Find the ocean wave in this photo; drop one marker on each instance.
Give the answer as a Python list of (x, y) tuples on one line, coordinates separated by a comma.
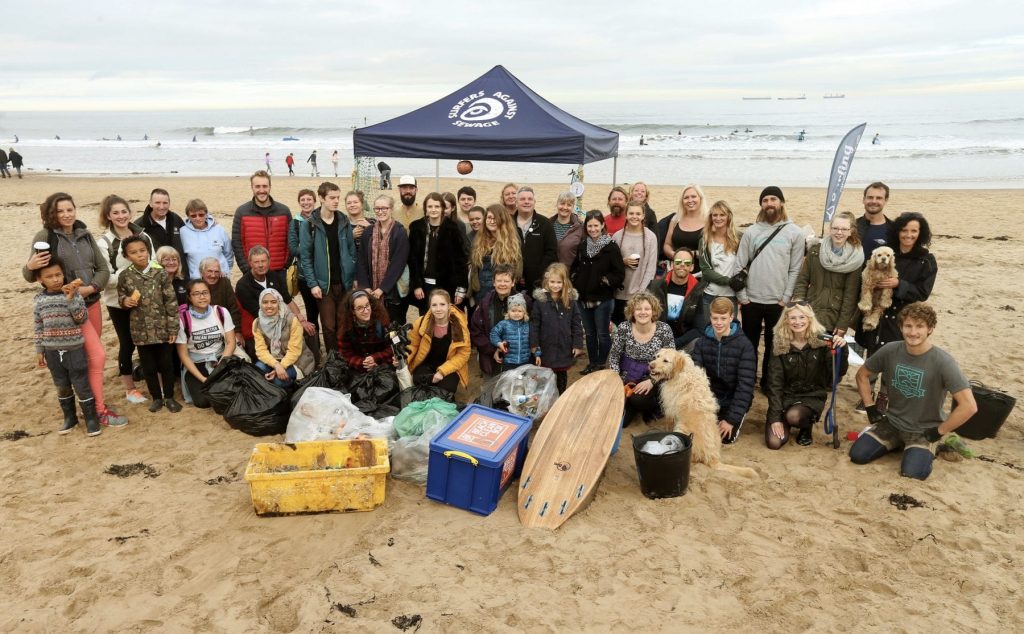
[(226, 130)]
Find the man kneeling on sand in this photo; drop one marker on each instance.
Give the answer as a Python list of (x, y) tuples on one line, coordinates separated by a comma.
[(916, 375)]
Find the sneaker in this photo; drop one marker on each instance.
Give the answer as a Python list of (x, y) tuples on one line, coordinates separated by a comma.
[(156, 405), (860, 408), (110, 418), (135, 397), (172, 405)]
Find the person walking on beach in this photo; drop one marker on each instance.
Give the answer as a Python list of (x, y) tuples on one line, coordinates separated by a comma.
[(290, 162), (16, 161), (334, 161), (266, 161), (3, 165), (779, 247), (313, 169), (261, 221), (385, 175)]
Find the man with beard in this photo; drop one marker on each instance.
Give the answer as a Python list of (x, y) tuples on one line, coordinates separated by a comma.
[(409, 209), (261, 221), (772, 250), (615, 219), (873, 226), (536, 239)]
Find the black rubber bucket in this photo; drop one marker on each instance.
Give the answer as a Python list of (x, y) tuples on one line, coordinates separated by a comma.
[(664, 476)]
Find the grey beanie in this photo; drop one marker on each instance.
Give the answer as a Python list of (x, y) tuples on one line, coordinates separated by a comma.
[(516, 301)]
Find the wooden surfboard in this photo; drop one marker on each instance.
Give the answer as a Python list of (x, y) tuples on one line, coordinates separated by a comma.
[(570, 450)]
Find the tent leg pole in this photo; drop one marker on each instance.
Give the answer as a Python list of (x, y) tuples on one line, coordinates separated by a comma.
[(615, 171), (437, 175)]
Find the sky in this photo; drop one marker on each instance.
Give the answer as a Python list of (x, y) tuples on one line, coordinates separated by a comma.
[(187, 54)]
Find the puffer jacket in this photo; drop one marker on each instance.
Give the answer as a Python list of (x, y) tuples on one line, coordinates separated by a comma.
[(155, 319), (110, 244), (597, 278), (458, 351), (314, 259), (517, 335), (555, 329), (833, 296), (486, 316), (801, 375), (80, 256), (266, 226), (731, 366)]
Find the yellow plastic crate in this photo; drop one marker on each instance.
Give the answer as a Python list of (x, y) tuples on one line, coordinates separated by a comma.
[(318, 476)]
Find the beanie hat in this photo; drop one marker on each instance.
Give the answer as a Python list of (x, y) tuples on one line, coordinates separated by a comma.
[(771, 190), (516, 301)]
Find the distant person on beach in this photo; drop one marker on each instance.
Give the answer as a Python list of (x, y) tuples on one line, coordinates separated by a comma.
[(160, 223), (314, 171), (193, 138), (16, 160), (145, 137), (290, 162), (779, 244), (409, 210), (385, 175), (251, 131), (266, 161), (57, 137), (119, 137), (334, 161), (917, 376), (642, 140), (261, 221), (876, 140), (3, 165), (16, 138)]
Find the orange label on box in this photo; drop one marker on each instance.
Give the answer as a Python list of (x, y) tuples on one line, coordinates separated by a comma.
[(483, 433), (508, 467)]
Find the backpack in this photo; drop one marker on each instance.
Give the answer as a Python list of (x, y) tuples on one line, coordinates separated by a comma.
[(186, 318)]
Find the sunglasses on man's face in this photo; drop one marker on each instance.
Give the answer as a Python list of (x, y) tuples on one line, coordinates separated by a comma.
[(686, 262)]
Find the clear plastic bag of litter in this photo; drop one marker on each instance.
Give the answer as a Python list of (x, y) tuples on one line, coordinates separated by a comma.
[(668, 444), (410, 455), (326, 414), (529, 390)]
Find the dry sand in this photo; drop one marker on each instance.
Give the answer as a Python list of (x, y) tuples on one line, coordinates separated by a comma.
[(813, 546)]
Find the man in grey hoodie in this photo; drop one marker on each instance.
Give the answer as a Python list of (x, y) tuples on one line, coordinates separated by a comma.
[(772, 275)]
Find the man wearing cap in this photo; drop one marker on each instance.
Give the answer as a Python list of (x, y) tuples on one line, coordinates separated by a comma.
[(779, 248), (409, 209)]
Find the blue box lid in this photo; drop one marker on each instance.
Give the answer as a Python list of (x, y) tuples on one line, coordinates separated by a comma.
[(484, 433)]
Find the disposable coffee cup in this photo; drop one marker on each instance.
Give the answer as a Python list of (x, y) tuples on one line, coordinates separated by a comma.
[(635, 256), (41, 247)]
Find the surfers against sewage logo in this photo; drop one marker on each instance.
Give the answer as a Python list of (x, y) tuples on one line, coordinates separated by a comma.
[(477, 110)]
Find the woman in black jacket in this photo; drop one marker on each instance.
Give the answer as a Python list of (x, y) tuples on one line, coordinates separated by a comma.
[(909, 237), (729, 360), (799, 375), (436, 256), (596, 273)]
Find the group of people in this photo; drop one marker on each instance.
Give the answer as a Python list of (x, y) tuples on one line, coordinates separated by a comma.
[(516, 286), (14, 158)]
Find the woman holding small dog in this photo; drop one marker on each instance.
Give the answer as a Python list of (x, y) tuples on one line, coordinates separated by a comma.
[(636, 342), (799, 375), (728, 358), (910, 236), (830, 275)]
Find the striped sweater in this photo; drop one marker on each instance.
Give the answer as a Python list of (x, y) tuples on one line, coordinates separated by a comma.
[(58, 321)]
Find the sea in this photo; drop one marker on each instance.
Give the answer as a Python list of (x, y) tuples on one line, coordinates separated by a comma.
[(951, 141)]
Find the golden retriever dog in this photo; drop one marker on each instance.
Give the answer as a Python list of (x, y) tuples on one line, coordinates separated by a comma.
[(874, 300), (686, 400)]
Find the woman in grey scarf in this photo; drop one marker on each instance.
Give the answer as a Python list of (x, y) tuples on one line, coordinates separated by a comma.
[(830, 276)]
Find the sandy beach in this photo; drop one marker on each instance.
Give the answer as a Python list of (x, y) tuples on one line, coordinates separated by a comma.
[(814, 545)]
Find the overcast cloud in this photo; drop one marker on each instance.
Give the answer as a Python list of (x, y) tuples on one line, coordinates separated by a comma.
[(210, 54)]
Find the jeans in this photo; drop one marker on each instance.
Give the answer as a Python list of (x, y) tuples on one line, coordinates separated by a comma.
[(595, 323), (290, 371)]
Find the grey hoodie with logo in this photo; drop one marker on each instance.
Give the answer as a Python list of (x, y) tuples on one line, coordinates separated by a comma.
[(772, 276)]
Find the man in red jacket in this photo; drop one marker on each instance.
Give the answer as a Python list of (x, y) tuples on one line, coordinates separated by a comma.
[(264, 222)]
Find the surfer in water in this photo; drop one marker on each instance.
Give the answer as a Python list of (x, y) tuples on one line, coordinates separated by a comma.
[(801, 136), (876, 140)]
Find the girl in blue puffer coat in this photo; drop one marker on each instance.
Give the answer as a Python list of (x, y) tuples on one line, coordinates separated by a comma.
[(512, 335)]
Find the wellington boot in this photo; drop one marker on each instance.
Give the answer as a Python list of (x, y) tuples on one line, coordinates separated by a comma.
[(67, 405), (92, 419)]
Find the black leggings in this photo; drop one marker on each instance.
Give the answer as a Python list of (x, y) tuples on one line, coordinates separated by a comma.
[(647, 405), (156, 365), (121, 319), (796, 415), (754, 315), (195, 388)]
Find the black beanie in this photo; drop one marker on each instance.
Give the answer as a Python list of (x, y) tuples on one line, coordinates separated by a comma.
[(771, 190)]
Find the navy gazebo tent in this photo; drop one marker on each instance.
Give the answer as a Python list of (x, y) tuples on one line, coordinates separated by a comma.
[(495, 117)]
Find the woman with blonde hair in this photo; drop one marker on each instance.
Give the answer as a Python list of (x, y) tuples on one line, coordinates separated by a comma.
[(799, 375), (508, 198), (716, 257), (439, 345), (556, 324), (641, 193), (687, 225), (497, 243), (830, 275)]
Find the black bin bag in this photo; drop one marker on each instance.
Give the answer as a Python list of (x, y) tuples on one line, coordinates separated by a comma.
[(335, 375), (372, 390), (247, 400)]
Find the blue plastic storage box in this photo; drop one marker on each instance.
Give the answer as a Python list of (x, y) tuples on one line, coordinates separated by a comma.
[(475, 456)]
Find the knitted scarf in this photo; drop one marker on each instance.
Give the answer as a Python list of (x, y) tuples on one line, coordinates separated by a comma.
[(594, 246), (850, 259), (380, 255)]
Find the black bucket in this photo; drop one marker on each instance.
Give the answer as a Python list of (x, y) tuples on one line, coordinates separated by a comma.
[(664, 476)]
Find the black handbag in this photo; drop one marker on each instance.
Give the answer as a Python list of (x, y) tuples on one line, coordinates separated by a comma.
[(994, 407)]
